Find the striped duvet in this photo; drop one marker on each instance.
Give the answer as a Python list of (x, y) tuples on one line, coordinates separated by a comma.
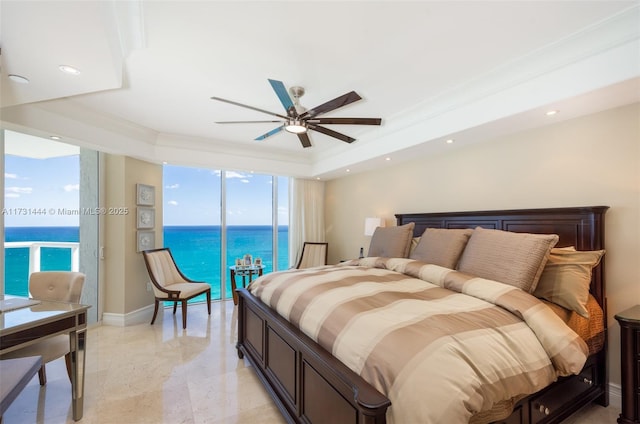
[(441, 345)]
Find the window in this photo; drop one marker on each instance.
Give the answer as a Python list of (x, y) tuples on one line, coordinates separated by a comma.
[(41, 208), (191, 219), (195, 200), (51, 192)]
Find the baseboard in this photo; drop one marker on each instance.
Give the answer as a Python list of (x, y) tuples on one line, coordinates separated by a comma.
[(138, 316), (615, 395)]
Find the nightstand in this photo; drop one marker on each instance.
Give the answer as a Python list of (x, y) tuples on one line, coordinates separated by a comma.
[(629, 321)]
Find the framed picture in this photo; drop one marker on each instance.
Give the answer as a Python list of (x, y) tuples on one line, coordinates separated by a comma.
[(146, 240), (146, 218), (239, 262), (247, 260), (258, 262), (145, 195)]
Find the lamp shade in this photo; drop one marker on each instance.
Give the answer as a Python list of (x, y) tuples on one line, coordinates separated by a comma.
[(370, 225)]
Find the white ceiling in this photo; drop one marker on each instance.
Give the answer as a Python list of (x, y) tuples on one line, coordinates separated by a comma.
[(432, 70)]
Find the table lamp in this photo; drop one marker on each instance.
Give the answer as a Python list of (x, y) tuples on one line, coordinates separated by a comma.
[(370, 225)]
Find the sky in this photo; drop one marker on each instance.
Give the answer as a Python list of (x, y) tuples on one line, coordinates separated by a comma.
[(191, 196), (45, 192), (39, 192)]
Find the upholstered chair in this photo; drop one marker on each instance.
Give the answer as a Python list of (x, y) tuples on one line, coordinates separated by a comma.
[(313, 254), (170, 284), (60, 286)]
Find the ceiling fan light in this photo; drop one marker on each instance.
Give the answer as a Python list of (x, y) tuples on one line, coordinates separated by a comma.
[(295, 126)]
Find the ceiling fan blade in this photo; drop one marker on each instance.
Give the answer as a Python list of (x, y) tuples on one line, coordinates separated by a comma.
[(353, 121), (336, 103), (270, 133), (332, 133), (283, 95), (243, 122), (248, 107), (304, 139)]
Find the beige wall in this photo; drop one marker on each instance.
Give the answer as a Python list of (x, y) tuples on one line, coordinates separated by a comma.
[(593, 160), (125, 273)]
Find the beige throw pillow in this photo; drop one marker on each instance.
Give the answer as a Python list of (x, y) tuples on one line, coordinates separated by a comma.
[(441, 246), (392, 242), (566, 278), (511, 258)]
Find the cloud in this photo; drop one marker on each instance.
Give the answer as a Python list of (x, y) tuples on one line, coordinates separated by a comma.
[(10, 176), (235, 174), (172, 203), (72, 187), (11, 195), (17, 191), (244, 181), (172, 186)]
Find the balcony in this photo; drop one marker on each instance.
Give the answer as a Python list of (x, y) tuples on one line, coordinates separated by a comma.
[(35, 252)]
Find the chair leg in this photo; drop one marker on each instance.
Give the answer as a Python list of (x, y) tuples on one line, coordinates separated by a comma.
[(175, 307), (209, 302), (155, 312), (184, 314), (42, 375), (67, 362)]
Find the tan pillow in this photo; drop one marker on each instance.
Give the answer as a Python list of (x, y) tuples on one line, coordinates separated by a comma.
[(511, 258), (566, 278), (392, 242), (441, 246)]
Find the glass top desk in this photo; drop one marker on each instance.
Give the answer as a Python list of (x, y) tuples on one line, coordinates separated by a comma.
[(27, 325)]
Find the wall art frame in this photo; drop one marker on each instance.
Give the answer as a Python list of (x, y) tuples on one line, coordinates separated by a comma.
[(146, 218), (146, 240), (145, 195)]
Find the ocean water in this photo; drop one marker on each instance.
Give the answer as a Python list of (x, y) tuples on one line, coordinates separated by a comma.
[(16, 260), (196, 250)]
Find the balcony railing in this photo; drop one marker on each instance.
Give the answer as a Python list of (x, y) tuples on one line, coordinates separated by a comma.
[(35, 250)]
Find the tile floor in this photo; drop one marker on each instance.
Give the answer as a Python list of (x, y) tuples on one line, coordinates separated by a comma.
[(156, 374)]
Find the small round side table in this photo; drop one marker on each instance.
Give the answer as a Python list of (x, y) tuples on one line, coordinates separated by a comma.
[(244, 272)]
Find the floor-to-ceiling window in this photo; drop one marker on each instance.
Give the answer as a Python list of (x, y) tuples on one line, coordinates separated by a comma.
[(192, 222), (41, 208), (249, 218), (50, 198), (211, 215)]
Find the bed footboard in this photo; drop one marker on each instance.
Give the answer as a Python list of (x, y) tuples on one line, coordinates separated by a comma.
[(310, 386), (306, 383)]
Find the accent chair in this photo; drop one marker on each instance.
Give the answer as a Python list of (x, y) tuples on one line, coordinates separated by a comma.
[(170, 284)]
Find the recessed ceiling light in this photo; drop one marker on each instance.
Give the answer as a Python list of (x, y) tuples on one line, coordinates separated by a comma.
[(551, 112), (348, 170), (450, 141), (54, 137), (387, 158), (67, 69), (18, 78)]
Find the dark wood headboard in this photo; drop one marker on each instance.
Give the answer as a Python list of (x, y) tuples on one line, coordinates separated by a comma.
[(582, 227)]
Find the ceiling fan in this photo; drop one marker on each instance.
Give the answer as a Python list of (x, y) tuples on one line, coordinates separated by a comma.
[(299, 120)]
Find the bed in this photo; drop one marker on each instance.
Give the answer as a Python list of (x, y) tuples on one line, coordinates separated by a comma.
[(309, 383)]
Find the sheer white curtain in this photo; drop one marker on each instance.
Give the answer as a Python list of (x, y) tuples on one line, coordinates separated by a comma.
[(306, 215)]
